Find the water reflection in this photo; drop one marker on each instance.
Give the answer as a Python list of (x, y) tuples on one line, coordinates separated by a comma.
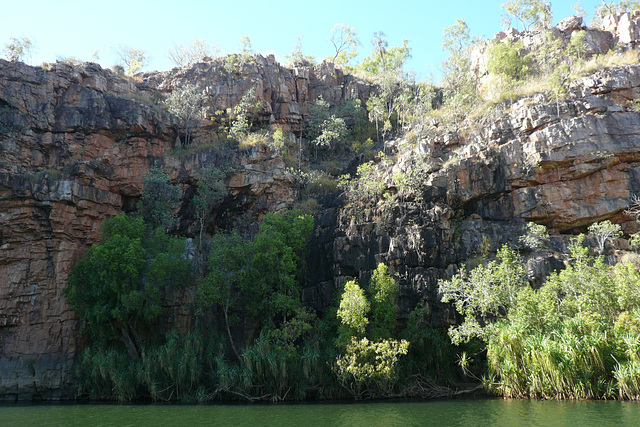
[(490, 412)]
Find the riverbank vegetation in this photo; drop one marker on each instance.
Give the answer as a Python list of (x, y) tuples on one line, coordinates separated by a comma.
[(577, 336), (254, 337)]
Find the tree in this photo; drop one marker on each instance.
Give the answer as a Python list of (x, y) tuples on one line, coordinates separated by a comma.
[(211, 191), (369, 367), (117, 287), (326, 130), (488, 292), (187, 104), (263, 276), (297, 57), (535, 237), (460, 81), (376, 108), (529, 12), (604, 231), (354, 309), (384, 58), (242, 123), (384, 291), (185, 55), (159, 200), (344, 40), (506, 60), (230, 270), (18, 49), (280, 249), (131, 59)]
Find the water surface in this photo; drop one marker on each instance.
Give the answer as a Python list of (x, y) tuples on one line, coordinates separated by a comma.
[(480, 412)]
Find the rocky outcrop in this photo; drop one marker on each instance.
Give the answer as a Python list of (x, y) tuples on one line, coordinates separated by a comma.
[(284, 95), (564, 164), (625, 27), (617, 31)]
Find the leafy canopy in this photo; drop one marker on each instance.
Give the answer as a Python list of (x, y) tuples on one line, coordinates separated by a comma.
[(117, 287)]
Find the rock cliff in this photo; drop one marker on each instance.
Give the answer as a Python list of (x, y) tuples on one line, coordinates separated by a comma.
[(563, 164), (76, 141)]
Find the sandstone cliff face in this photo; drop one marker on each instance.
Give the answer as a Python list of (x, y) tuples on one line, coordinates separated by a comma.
[(284, 95), (563, 164), (75, 143)]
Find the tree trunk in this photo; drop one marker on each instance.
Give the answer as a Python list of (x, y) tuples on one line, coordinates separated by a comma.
[(226, 321), (129, 343)]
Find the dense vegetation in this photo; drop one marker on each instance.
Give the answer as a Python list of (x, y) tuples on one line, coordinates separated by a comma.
[(575, 337), (253, 336)]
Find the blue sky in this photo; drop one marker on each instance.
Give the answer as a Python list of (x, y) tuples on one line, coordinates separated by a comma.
[(66, 28)]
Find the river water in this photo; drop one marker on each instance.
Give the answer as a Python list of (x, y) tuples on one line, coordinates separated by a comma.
[(479, 412)]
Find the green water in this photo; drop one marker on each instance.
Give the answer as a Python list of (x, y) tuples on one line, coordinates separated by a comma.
[(433, 413)]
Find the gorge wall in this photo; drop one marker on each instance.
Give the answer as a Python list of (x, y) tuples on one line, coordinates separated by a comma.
[(76, 141)]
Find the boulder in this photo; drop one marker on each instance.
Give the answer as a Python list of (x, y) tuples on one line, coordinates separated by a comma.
[(570, 24)]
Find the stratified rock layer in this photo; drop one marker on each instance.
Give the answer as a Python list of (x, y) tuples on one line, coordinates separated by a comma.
[(563, 163), (75, 143)]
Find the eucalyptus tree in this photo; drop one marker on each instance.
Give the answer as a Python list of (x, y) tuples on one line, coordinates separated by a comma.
[(344, 40)]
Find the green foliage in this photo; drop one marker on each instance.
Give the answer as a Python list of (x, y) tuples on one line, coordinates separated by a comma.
[(178, 369), (18, 49), (279, 140), (297, 57), (366, 185), (370, 368), (211, 192), (384, 59), (354, 309), (159, 200), (384, 292), (506, 60), (236, 62), (316, 183), (118, 286), (604, 231), (344, 40), (634, 241), (280, 253), (243, 113), (131, 59), (575, 337), (326, 130), (410, 183), (186, 104), (460, 81), (529, 12), (265, 275), (577, 46), (484, 294), (535, 236), (431, 353)]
